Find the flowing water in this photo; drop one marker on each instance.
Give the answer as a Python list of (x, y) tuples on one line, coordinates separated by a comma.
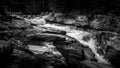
[(76, 34)]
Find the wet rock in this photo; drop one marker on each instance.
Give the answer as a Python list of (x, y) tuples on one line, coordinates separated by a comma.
[(109, 45), (72, 52), (23, 59), (89, 55), (38, 43), (20, 24), (49, 52), (92, 64)]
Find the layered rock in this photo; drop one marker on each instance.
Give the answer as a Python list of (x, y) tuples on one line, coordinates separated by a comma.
[(47, 42)]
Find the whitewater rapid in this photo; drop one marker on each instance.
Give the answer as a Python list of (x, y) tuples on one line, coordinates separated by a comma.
[(72, 32), (79, 35)]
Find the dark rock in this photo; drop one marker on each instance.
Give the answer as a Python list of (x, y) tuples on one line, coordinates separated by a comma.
[(113, 56), (20, 24), (92, 64), (6, 49), (89, 55), (109, 43), (32, 46), (73, 52)]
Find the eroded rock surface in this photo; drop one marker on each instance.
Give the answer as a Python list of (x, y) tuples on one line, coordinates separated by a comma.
[(56, 41)]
